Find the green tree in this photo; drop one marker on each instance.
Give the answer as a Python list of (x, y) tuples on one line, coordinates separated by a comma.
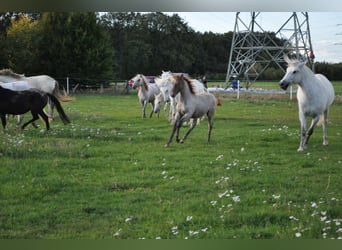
[(76, 45), (22, 48)]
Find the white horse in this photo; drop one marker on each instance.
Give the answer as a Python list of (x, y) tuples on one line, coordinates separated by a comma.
[(41, 82), (165, 85), (146, 92), (315, 95), (191, 106)]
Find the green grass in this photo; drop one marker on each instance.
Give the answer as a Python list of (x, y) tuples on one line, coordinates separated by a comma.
[(108, 175)]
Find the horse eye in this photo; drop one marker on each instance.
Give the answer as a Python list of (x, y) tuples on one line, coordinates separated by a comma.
[(294, 72)]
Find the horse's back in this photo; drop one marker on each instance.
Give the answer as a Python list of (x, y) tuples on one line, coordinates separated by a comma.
[(20, 102), (17, 85), (43, 82), (327, 87)]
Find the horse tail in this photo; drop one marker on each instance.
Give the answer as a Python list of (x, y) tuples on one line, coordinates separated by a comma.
[(218, 102), (60, 110), (57, 94)]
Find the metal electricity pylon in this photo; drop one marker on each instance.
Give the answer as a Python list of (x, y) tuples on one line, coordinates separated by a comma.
[(253, 49)]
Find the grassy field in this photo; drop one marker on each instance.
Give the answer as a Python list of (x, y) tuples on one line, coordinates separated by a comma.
[(108, 175)]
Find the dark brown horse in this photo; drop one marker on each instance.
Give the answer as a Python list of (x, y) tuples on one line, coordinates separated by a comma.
[(21, 102)]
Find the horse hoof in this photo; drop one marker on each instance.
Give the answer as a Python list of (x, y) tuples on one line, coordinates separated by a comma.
[(300, 149)]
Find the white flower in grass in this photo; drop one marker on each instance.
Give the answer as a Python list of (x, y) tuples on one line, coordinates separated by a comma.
[(220, 157), (236, 198), (276, 197), (293, 218), (174, 230), (213, 203), (298, 234), (117, 233), (128, 219), (191, 233)]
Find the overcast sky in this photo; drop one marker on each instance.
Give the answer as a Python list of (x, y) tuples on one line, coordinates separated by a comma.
[(325, 28)]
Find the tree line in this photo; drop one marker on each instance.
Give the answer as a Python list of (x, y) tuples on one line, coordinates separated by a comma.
[(97, 48)]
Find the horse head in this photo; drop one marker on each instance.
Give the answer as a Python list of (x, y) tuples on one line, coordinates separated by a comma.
[(293, 73), (158, 100), (136, 81), (165, 85)]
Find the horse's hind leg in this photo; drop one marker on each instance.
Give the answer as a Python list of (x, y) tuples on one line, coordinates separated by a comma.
[(324, 126), (50, 105), (210, 127), (45, 118), (19, 119)]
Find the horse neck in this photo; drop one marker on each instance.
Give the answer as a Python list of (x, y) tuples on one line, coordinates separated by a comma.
[(185, 92), (308, 82), (4, 78), (143, 92)]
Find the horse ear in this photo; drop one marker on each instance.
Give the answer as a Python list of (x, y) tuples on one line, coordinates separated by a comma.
[(286, 58), (301, 64)]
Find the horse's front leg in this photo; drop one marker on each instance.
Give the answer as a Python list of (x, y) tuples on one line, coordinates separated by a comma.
[(165, 106), (193, 124), (3, 120), (34, 118), (175, 127), (143, 107), (152, 111), (183, 119), (302, 120), (311, 129)]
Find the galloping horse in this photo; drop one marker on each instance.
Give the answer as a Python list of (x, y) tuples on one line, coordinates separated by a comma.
[(165, 85), (20, 102), (44, 83), (146, 92), (191, 106), (315, 95)]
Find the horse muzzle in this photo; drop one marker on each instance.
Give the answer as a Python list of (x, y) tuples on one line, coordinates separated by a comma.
[(284, 85)]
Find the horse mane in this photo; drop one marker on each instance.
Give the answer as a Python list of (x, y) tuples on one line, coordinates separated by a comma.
[(188, 81), (10, 73), (145, 82), (295, 61)]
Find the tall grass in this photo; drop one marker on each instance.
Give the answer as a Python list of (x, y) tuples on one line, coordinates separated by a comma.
[(108, 175)]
